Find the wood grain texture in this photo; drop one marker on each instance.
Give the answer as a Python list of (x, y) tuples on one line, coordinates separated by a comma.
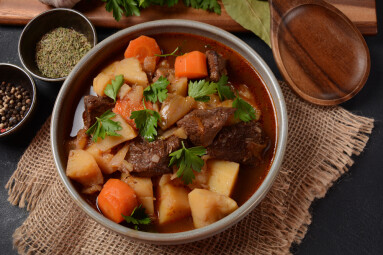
[(319, 52), (20, 12)]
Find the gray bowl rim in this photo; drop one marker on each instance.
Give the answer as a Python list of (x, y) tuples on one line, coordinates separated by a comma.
[(226, 222), (35, 19), (33, 103)]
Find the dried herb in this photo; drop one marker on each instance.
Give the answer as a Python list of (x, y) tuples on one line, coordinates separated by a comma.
[(253, 15), (59, 51)]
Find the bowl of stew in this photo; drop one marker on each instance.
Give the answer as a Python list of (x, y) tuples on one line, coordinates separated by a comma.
[(169, 131)]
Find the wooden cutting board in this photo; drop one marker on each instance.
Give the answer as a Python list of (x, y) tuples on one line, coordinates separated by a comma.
[(20, 12)]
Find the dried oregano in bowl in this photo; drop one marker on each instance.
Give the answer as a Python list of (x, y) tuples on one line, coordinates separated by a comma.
[(59, 51)]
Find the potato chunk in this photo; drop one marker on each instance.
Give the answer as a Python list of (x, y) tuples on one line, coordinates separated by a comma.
[(179, 86), (102, 159), (173, 201), (100, 83), (104, 78), (126, 133), (83, 168), (208, 207), (143, 187), (132, 71), (222, 176), (110, 69)]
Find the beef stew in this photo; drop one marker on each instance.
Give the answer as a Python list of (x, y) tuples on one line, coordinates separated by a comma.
[(227, 146)]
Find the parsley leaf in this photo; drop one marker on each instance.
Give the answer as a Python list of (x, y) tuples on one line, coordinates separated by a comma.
[(224, 90), (200, 90), (120, 7), (209, 5), (138, 217), (104, 126), (146, 121), (169, 54), (147, 3), (245, 111), (187, 160), (132, 7), (111, 90), (157, 91)]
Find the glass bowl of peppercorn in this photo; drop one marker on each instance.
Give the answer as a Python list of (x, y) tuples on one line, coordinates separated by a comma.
[(53, 42), (17, 98)]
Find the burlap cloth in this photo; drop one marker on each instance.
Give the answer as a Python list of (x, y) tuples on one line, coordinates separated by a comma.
[(321, 143)]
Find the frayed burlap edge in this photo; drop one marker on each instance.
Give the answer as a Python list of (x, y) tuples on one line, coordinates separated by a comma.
[(25, 186)]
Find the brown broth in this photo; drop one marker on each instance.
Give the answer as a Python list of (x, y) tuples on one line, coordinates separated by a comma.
[(239, 72)]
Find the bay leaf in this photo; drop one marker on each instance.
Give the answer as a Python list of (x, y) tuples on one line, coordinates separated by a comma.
[(253, 15)]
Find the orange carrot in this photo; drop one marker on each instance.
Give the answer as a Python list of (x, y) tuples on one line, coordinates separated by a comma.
[(191, 65), (142, 47), (117, 198), (125, 107)]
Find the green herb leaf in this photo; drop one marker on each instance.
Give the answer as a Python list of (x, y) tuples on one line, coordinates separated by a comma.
[(157, 91), (207, 5), (187, 160), (169, 54), (253, 15), (111, 90), (132, 7), (147, 3), (122, 7), (104, 126), (245, 111), (146, 121), (224, 90), (200, 90), (138, 217)]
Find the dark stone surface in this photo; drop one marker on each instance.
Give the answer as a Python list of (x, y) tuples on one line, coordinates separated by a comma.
[(349, 220)]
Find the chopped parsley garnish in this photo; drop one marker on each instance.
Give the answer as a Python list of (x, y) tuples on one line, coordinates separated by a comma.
[(200, 90), (224, 90), (245, 111), (104, 126), (169, 54), (111, 90), (146, 121), (138, 217), (157, 91), (187, 160)]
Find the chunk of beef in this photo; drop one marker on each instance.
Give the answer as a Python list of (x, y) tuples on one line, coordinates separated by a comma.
[(216, 64), (202, 125), (152, 159), (242, 143), (94, 107), (165, 71)]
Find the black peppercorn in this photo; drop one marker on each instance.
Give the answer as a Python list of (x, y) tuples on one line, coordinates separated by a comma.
[(15, 101)]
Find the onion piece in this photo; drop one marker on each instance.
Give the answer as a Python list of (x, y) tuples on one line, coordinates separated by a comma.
[(125, 167), (116, 161)]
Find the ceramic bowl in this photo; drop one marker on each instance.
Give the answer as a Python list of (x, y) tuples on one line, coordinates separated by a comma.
[(17, 76), (80, 79), (42, 24)]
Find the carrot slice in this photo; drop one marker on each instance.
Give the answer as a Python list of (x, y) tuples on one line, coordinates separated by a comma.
[(125, 108), (117, 198), (191, 65), (142, 47)]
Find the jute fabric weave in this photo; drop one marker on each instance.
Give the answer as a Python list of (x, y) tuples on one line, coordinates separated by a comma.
[(321, 142)]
